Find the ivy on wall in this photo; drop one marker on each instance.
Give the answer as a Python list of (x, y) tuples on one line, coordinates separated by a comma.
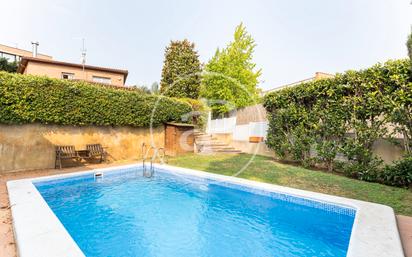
[(342, 115), (28, 99)]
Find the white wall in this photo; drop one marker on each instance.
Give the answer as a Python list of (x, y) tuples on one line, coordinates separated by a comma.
[(241, 132)]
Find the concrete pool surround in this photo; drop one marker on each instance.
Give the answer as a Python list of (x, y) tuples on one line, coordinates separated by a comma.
[(39, 233)]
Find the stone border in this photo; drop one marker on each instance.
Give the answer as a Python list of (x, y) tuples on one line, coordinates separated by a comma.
[(39, 233)]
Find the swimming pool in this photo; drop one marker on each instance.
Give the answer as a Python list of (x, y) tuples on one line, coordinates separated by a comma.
[(180, 212)]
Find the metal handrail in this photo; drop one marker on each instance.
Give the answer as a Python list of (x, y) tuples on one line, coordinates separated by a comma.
[(156, 153), (144, 147)]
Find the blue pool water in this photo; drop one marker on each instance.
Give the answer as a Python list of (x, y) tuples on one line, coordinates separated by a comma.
[(126, 214)]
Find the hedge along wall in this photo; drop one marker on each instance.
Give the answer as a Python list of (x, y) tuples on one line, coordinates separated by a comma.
[(29, 99), (37, 113), (342, 115)]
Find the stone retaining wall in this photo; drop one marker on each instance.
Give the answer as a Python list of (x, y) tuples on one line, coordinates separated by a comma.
[(31, 146)]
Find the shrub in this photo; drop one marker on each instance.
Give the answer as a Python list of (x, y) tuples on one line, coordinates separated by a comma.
[(5, 65), (363, 171), (28, 99), (342, 115), (199, 114), (398, 174)]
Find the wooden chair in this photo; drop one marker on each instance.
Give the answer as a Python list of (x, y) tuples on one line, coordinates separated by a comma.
[(96, 150), (65, 152)]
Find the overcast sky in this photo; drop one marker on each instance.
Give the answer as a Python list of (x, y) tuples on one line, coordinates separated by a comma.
[(294, 38)]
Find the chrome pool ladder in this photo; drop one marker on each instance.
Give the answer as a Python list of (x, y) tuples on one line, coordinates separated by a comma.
[(157, 153)]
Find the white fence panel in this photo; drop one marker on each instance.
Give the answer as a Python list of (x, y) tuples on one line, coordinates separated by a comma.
[(241, 132), (226, 125)]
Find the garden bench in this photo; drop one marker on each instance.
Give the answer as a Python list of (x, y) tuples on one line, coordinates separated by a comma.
[(65, 152), (96, 150)]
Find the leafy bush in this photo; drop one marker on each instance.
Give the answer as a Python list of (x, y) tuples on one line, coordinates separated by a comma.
[(5, 65), (199, 114), (342, 115), (27, 99), (398, 174), (363, 171)]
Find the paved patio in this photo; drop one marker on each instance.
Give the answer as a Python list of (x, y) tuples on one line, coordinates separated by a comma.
[(405, 230), (7, 243)]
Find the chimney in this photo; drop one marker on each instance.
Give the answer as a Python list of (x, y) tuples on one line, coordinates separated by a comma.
[(34, 51)]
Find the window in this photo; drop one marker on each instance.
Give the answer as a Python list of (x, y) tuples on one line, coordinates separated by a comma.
[(103, 80), (9, 57), (66, 75)]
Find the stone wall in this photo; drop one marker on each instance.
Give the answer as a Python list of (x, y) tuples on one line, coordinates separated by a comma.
[(31, 146)]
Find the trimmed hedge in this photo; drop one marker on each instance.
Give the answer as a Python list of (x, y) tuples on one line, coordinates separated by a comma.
[(29, 99), (318, 115)]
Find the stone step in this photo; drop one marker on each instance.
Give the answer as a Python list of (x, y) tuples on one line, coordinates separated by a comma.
[(209, 144), (206, 138), (221, 147)]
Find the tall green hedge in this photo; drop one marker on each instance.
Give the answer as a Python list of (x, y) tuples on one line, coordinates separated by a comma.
[(28, 99), (343, 115)]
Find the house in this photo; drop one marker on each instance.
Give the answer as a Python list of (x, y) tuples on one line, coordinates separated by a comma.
[(318, 75), (34, 63), (14, 54), (72, 71)]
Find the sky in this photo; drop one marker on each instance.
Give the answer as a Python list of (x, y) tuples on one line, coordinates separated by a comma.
[(294, 38)]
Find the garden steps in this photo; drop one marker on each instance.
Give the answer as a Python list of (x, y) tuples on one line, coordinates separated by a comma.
[(207, 144)]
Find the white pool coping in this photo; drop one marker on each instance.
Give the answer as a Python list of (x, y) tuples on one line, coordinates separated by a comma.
[(39, 233)]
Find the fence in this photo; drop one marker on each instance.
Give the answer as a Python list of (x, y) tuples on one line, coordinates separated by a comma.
[(225, 125)]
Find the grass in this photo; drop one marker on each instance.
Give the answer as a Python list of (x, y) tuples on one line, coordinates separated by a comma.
[(264, 169)]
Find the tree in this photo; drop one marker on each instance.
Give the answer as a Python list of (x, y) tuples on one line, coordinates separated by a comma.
[(181, 70), (143, 89), (230, 78), (7, 66), (409, 46), (155, 88)]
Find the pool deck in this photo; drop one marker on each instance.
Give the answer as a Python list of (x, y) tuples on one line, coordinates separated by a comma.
[(7, 242)]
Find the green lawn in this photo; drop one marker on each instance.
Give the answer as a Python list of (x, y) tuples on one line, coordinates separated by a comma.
[(266, 170)]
